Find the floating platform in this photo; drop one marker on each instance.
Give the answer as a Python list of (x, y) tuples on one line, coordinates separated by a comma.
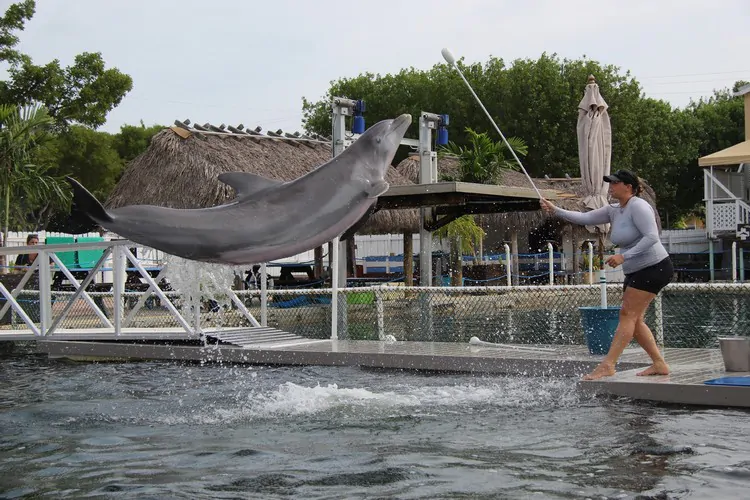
[(690, 367)]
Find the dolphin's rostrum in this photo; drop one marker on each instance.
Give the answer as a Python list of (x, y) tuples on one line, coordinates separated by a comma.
[(268, 219)]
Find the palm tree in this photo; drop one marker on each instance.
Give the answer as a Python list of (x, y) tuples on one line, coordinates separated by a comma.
[(481, 161), (22, 130), (464, 235)]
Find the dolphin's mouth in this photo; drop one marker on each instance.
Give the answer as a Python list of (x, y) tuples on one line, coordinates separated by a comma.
[(400, 125)]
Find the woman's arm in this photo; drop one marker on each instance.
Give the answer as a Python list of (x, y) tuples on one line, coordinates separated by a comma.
[(592, 218)]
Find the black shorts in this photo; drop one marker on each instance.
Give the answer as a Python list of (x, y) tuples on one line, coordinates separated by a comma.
[(652, 278)]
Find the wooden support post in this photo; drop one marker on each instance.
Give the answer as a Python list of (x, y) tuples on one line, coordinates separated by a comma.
[(408, 259), (351, 261), (318, 270), (330, 258)]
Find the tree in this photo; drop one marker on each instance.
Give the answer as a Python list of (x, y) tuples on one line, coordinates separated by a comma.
[(82, 93), (482, 160), (89, 156), (132, 140), (533, 99), (537, 100), (95, 158), (464, 235), (26, 185)]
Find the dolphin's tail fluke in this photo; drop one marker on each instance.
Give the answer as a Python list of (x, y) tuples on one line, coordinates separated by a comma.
[(87, 203)]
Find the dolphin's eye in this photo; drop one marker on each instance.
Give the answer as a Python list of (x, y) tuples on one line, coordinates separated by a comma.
[(379, 140)]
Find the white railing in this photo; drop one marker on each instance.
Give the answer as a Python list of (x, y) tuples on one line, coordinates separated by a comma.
[(726, 212), (117, 255), (121, 260), (726, 215), (127, 304)]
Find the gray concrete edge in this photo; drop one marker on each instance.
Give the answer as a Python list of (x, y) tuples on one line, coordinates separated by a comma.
[(230, 354), (687, 394)]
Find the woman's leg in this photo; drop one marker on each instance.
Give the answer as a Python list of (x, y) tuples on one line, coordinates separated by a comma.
[(646, 339), (634, 304)]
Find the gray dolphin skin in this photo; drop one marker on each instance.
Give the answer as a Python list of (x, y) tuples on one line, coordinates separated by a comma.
[(268, 219)]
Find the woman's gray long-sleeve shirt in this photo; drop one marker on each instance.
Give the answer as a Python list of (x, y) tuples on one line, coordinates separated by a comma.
[(634, 230)]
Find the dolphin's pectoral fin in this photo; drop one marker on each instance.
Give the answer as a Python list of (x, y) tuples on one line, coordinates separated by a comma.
[(349, 233), (88, 204), (245, 184), (377, 188)]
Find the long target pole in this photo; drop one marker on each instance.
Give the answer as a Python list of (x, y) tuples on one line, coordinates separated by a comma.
[(448, 56)]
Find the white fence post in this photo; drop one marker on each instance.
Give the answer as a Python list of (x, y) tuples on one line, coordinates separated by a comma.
[(659, 321), (551, 252), (119, 268), (335, 289), (508, 266), (263, 295), (742, 264), (380, 313), (45, 291)]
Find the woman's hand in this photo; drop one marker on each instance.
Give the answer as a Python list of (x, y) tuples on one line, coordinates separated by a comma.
[(615, 260), (547, 206)]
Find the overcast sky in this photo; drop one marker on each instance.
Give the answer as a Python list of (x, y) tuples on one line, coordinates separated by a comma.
[(252, 62)]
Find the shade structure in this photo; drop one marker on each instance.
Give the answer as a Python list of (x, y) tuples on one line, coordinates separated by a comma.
[(594, 149), (733, 155)]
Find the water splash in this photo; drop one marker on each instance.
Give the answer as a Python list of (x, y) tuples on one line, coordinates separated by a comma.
[(295, 400), (202, 283)]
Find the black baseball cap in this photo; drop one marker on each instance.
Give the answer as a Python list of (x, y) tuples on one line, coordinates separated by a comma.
[(624, 176)]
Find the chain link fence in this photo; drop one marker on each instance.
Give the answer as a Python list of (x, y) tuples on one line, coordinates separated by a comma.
[(684, 314)]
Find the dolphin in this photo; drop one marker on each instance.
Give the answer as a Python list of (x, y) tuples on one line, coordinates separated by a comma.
[(268, 219)]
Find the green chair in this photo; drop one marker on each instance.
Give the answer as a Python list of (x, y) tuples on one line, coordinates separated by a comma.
[(67, 258), (87, 259)]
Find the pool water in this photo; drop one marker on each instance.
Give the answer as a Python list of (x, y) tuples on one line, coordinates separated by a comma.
[(168, 430)]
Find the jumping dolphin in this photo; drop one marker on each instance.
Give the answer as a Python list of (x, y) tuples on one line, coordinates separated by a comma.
[(268, 219)]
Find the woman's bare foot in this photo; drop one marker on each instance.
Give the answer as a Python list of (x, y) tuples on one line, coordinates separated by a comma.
[(658, 368), (603, 370)]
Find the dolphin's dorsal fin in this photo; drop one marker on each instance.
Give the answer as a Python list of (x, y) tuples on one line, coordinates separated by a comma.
[(246, 185)]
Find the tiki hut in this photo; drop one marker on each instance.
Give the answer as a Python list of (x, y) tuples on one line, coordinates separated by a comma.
[(181, 166), (532, 229)]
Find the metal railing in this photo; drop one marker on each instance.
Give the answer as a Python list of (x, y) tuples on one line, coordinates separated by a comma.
[(684, 314)]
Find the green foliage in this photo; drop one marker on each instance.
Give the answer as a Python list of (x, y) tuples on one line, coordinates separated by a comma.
[(133, 140), (595, 262), (465, 230), (537, 100), (88, 156), (82, 93), (97, 159), (14, 20), (483, 159), (26, 186)]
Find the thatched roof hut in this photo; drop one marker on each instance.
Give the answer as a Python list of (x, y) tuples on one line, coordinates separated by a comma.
[(181, 166), (521, 221)]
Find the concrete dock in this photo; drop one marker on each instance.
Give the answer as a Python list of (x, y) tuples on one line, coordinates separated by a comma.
[(690, 367)]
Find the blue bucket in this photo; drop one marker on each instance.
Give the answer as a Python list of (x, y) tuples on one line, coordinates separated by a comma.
[(599, 326)]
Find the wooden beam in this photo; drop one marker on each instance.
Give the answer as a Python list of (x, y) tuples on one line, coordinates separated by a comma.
[(318, 270), (491, 207), (442, 221), (468, 188), (408, 259)]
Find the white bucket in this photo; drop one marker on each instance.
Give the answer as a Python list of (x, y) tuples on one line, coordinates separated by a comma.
[(736, 353)]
